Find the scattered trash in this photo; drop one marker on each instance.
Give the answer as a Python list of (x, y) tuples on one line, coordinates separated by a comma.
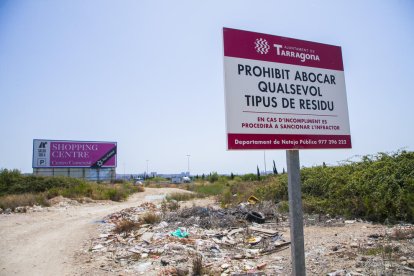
[(255, 217), (252, 200), (179, 233), (254, 240), (229, 241)]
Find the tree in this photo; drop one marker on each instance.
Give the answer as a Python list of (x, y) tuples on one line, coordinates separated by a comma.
[(283, 171), (231, 176), (258, 173), (274, 168)]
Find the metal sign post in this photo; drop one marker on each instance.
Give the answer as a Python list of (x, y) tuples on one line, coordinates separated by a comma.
[(295, 213)]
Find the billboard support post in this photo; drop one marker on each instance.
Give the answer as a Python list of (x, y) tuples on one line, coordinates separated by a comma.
[(295, 213)]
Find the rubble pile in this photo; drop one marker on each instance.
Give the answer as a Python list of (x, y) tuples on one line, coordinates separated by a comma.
[(226, 242), (247, 239)]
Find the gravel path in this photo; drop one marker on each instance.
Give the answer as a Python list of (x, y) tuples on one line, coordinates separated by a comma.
[(45, 243)]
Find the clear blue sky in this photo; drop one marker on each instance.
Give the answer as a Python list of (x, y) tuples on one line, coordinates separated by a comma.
[(149, 75)]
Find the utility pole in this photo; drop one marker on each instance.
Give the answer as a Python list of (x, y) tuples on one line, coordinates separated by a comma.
[(188, 164)]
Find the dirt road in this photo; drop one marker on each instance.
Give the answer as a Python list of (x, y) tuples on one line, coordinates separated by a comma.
[(44, 243)]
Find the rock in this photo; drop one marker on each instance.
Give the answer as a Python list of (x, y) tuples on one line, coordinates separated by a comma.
[(162, 224), (354, 245), (238, 256), (98, 247), (337, 273), (350, 221), (410, 263), (403, 258), (20, 209), (7, 211), (261, 266), (1, 211), (335, 248), (37, 208), (164, 261), (225, 266), (147, 237), (182, 271), (142, 267)]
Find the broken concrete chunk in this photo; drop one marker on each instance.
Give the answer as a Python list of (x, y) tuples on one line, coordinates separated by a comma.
[(261, 266), (98, 247), (147, 237)]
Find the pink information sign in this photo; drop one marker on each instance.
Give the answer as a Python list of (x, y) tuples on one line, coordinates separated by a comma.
[(51, 153)]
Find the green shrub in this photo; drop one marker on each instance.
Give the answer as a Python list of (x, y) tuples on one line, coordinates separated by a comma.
[(37, 189), (213, 177), (378, 188), (215, 188), (283, 207)]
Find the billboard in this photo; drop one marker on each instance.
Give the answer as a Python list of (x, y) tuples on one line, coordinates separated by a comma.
[(76, 154), (283, 93)]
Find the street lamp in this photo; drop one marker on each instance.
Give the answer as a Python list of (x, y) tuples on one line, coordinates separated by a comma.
[(188, 164), (147, 167)]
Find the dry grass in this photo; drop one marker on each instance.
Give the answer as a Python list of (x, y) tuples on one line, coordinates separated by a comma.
[(171, 205), (126, 226), (13, 201), (198, 265), (403, 233), (150, 218)]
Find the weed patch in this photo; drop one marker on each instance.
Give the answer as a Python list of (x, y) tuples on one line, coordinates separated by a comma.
[(13, 201), (150, 218), (126, 226)]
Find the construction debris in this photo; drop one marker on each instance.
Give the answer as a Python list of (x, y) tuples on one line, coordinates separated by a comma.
[(215, 241), (212, 233)]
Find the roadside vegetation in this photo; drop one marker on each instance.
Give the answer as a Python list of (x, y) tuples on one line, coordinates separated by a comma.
[(20, 190), (378, 188)]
